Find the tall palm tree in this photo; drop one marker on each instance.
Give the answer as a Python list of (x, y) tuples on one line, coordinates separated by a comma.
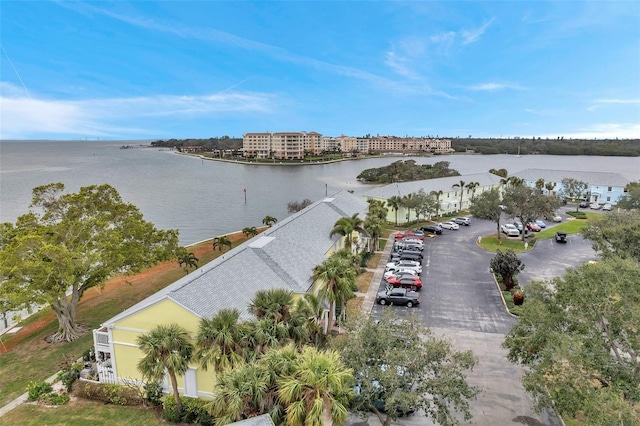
[(408, 202), (166, 347), (472, 186), (277, 306), (221, 242), (461, 186), (346, 226), (374, 227), (437, 195), (540, 184), (269, 220), (318, 391), (220, 341), (337, 278), (395, 202), (310, 309), (378, 209), (250, 231), (188, 259), (549, 186)]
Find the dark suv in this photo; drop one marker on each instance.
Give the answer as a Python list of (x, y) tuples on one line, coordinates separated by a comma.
[(561, 237), (432, 229)]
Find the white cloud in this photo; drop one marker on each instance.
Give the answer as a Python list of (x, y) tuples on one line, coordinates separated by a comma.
[(603, 131), (492, 86), (403, 54), (604, 102), (26, 117), (471, 36)]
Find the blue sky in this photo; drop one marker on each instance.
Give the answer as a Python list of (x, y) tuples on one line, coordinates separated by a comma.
[(146, 70)]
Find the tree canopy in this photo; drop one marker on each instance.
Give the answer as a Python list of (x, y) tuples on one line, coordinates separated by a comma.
[(400, 363), (507, 265), (615, 234), (487, 206), (631, 200), (405, 171), (578, 335), (528, 204), (69, 243)]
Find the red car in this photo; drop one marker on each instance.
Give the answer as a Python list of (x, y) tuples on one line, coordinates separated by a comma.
[(412, 283), (533, 227)]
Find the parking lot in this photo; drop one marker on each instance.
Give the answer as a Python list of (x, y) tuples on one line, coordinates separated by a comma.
[(460, 301)]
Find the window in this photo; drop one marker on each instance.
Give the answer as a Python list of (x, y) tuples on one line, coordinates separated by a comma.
[(608, 198), (609, 189)]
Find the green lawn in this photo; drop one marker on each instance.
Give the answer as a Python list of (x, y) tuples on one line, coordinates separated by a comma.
[(491, 243), (80, 413), (574, 226)]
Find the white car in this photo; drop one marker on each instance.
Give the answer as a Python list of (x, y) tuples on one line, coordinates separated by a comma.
[(404, 264), (595, 206), (607, 207), (400, 272), (449, 225), (510, 229)]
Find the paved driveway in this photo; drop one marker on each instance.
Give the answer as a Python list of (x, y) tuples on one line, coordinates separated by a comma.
[(461, 302)]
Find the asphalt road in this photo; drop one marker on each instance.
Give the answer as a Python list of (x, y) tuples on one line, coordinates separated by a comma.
[(461, 302)]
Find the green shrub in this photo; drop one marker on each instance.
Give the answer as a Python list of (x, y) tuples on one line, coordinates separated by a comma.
[(578, 214), (36, 389), (109, 393), (53, 398), (71, 375), (153, 393), (193, 411)]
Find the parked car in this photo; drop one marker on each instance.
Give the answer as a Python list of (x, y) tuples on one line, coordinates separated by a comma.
[(607, 207), (432, 229), (595, 206), (412, 283), (583, 204), (541, 223), (449, 225), (561, 237), (462, 221), (533, 227), (404, 264), (418, 233), (519, 226), (510, 229), (398, 296), (400, 273), (413, 235), (556, 218)]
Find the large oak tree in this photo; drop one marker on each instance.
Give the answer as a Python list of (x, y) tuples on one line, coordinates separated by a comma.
[(69, 243), (578, 335)]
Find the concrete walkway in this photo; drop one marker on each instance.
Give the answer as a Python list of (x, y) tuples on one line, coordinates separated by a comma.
[(24, 397)]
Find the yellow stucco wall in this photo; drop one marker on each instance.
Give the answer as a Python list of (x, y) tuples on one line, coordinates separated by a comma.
[(126, 331)]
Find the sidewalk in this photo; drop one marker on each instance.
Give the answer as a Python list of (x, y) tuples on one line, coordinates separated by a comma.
[(23, 398), (372, 292)]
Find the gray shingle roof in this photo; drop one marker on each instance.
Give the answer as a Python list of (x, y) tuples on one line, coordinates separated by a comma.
[(440, 184), (592, 178), (283, 256)]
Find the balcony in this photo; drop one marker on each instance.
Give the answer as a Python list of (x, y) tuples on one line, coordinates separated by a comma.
[(101, 339)]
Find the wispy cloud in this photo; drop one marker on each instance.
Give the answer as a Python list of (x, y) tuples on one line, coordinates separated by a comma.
[(604, 102), (402, 55), (471, 36), (493, 86), (97, 117)]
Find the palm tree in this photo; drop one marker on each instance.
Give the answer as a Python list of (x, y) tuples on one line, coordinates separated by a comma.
[(319, 389), (221, 242), (239, 393), (408, 202), (437, 194), (395, 202), (310, 309), (250, 231), (276, 305), (166, 347), (461, 186), (377, 208), (188, 259), (346, 226), (540, 184), (337, 276), (269, 220), (549, 186), (374, 227), (220, 341), (472, 186)]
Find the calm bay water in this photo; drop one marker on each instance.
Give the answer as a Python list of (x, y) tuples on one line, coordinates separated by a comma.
[(205, 198)]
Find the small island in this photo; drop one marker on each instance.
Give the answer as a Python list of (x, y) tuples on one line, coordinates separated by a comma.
[(405, 171)]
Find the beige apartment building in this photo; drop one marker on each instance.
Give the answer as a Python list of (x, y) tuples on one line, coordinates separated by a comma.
[(295, 145), (409, 145), (282, 145)]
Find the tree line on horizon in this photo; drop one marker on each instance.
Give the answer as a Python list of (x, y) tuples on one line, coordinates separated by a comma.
[(558, 146)]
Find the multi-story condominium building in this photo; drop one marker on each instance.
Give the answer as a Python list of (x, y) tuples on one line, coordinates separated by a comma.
[(408, 144), (340, 143), (282, 145)]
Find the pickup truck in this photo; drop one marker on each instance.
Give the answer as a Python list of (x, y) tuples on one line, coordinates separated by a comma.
[(398, 296)]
